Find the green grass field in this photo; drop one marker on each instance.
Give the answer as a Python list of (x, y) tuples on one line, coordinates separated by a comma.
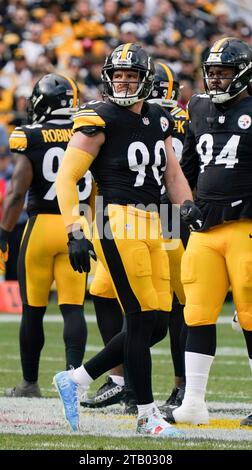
[(229, 383)]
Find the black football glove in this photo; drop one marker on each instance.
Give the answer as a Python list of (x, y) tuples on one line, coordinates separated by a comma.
[(191, 215), (4, 248), (79, 251)]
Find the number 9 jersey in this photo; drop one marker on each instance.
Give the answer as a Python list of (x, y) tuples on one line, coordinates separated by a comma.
[(44, 145)]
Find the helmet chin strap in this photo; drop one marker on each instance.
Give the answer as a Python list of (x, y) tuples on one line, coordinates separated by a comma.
[(220, 97)]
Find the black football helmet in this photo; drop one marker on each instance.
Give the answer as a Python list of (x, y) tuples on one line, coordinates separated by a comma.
[(233, 53), (128, 57), (53, 95), (166, 86)]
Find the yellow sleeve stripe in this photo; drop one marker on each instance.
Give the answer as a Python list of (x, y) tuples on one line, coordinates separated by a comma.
[(89, 112), (179, 112), (17, 142), (88, 121), (18, 133), (84, 111)]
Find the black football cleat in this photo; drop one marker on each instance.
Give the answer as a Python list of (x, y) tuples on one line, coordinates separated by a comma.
[(24, 389), (108, 394), (246, 421)]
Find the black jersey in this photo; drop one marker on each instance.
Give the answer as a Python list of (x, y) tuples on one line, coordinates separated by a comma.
[(180, 122), (217, 158), (131, 162), (180, 117), (44, 145)]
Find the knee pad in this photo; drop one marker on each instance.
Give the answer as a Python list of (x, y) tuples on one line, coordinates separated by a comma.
[(139, 269)]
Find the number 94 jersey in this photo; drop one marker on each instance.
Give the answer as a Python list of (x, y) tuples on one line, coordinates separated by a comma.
[(44, 145), (217, 154), (131, 162)]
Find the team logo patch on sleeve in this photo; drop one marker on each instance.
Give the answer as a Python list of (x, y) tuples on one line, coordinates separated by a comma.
[(244, 121), (164, 123)]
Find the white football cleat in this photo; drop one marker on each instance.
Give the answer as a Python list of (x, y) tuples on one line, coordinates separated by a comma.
[(191, 412)]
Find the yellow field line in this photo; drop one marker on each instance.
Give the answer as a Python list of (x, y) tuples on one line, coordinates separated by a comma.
[(217, 424)]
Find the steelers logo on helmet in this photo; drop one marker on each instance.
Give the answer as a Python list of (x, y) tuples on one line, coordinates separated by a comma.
[(53, 95), (128, 57), (166, 86), (236, 55)]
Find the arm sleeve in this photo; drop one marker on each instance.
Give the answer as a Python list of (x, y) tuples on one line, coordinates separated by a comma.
[(75, 164)]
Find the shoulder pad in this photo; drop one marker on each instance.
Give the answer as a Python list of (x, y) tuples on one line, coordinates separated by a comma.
[(86, 117), (18, 140), (195, 100)]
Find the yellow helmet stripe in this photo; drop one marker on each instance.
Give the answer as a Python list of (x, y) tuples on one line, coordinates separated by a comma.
[(170, 81), (125, 51), (75, 90), (217, 45)]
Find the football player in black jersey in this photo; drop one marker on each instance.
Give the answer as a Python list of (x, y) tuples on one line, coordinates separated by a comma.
[(108, 312), (217, 158), (43, 254), (128, 143)]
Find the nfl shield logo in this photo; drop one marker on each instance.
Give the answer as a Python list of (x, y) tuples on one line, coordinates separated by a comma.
[(146, 121), (221, 119)]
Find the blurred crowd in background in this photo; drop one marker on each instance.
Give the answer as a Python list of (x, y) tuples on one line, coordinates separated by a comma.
[(73, 37)]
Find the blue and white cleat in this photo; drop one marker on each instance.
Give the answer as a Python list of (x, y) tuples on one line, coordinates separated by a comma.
[(67, 390), (156, 426)]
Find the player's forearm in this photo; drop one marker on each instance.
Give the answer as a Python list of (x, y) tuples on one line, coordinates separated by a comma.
[(75, 164), (178, 189), (13, 206)]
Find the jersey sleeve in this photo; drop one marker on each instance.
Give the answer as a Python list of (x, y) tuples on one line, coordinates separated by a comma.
[(169, 130), (19, 141), (88, 121), (190, 160)]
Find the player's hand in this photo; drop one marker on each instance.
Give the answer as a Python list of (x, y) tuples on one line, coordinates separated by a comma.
[(191, 215), (4, 248), (79, 251)]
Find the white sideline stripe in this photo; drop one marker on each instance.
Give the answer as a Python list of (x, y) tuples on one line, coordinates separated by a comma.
[(57, 318), (222, 351), (31, 416)]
